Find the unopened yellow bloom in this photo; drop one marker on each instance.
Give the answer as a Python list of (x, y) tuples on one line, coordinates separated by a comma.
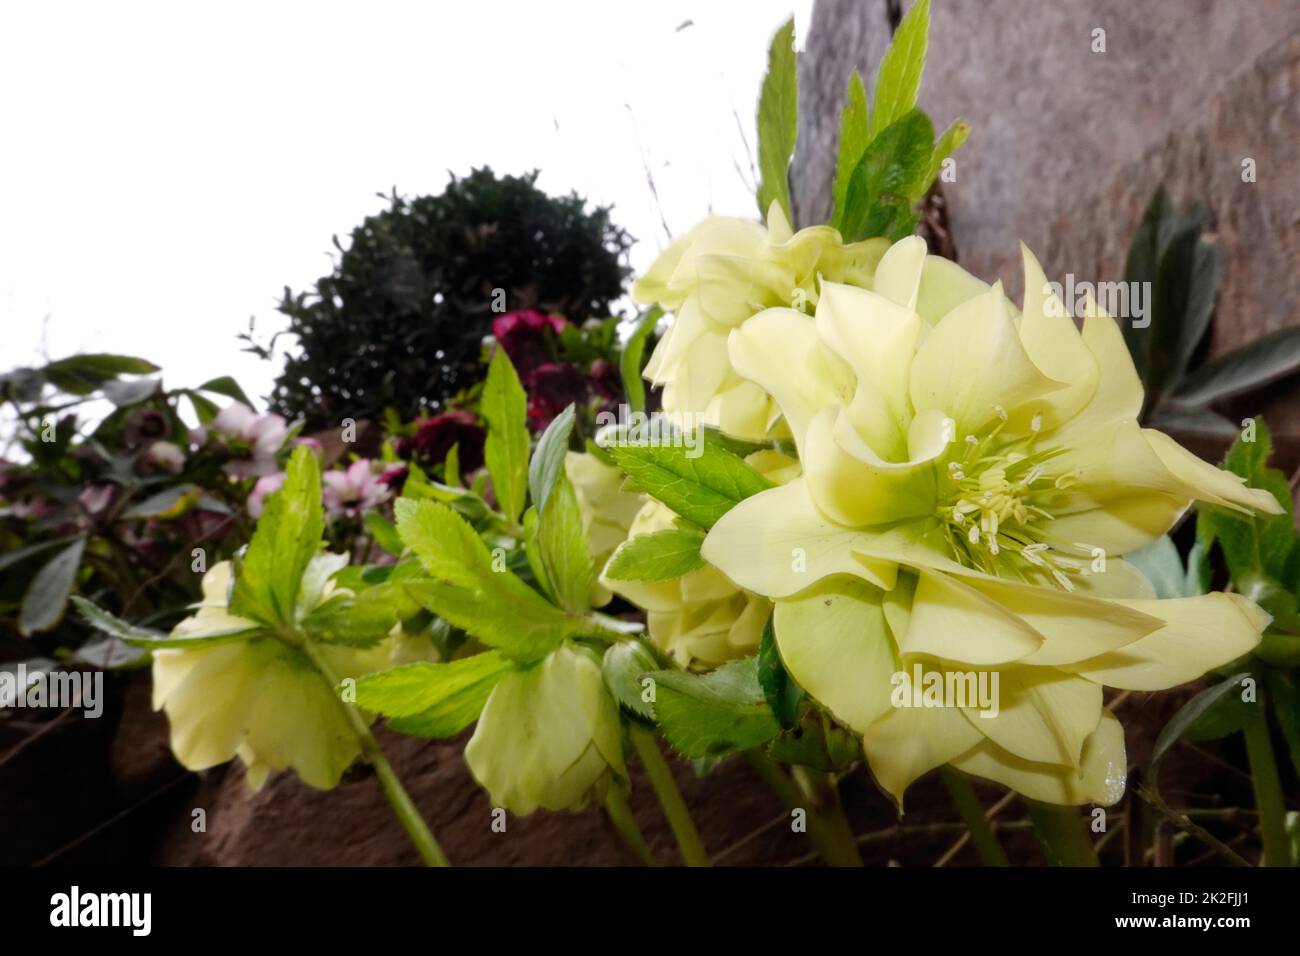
[(701, 619), (607, 510), (549, 736), (259, 699), (971, 480), (715, 278)]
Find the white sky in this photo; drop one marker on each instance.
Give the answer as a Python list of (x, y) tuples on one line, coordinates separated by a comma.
[(167, 168)]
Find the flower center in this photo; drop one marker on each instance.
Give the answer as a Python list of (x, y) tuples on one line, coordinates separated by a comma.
[(995, 502)]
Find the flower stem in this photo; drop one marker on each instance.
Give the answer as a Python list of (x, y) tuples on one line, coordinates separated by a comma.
[(1062, 834), (972, 814), (835, 843), (620, 815), (670, 798), (403, 806), (1268, 790)]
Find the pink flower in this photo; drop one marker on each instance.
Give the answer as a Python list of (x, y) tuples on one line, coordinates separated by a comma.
[(97, 498), (254, 440), (165, 456), (350, 491), (527, 337), (266, 485)]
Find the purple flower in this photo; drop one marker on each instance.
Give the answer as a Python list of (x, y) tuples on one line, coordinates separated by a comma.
[(435, 436), (97, 498), (266, 485)]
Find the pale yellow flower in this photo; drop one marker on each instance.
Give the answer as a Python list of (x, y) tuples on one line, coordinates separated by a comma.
[(971, 480), (715, 278), (549, 736), (259, 699)]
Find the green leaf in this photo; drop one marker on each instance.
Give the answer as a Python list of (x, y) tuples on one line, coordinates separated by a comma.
[(204, 408), (1186, 718), (722, 712), (1262, 361), (630, 362), (778, 121), (661, 556), (384, 532), (505, 408), (1163, 566), (47, 595), (166, 503), (227, 386), (433, 700), (1252, 543), (855, 133), (816, 744), (1140, 266), (782, 694), (288, 536), (625, 666), (31, 550), (1285, 699), (564, 550), (357, 621), (898, 79), (473, 591), (509, 616), (82, 374), (145, 637), (949, 142), (701, 489), (1182, 301), (548, 458), (890, 175)]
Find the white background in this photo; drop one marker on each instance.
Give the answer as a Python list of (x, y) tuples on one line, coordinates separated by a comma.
[(167, 168)]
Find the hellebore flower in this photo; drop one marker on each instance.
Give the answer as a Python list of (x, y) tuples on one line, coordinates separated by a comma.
[(254, 440), (549, 736), (701, 619), (164, 456), (266, 485), (971, 481), (259, 698), (527, 337), (713, 280), (551, 389), (435, 436), (351, 491)]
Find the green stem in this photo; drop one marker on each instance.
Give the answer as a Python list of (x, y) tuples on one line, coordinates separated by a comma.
[(403, 806), (835, 843), (620, 815), (1268, 790), (1062, 833), (972, 814), (670, 798)]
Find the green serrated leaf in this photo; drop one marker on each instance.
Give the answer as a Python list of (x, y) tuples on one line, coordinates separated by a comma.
[(898, 79), (288, 536), (625, 666), (433, 700), (778, 121), (563, 547), (700, 484), (888, 178), (661, 556), (722, 712), (505, 408), (384, 532), (950, 140), (855, 133), (548, 458), (362, 620)]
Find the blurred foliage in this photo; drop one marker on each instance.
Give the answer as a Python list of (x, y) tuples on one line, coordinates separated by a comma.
[(400, 321)]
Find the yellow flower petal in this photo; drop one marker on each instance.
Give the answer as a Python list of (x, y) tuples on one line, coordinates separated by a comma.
[(952, 621), (1042, 714)]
